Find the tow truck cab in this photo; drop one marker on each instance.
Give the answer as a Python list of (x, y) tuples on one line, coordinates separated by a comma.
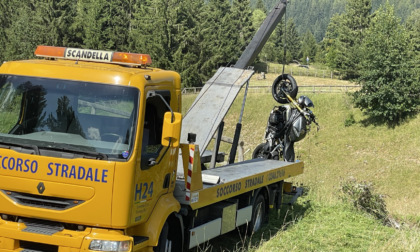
[(82, 164)]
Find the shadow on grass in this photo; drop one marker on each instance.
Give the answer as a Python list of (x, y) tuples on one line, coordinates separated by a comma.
[(380, 120), (279, 221)]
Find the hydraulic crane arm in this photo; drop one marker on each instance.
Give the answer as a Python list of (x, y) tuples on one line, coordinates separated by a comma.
[(262, 35), (219, 93)]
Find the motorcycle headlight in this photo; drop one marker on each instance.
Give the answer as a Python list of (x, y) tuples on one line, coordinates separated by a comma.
[(104, 245), (305, 102)]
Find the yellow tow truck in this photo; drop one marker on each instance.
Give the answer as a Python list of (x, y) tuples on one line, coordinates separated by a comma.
[(96, 156)]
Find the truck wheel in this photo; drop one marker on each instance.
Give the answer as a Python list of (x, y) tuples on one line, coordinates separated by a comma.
[(287, 83), (258, 215), (164, 244)]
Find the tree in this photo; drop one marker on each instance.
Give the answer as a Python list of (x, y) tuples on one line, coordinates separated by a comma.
[(117, 17), (260, 6), (390, 92), (266, 54), (216, 45), (330, 44), (4, 23), (23, 31), (190, 37), (293, 43), (413, 26), (309, 47), (90, 24), (153, 30), (242, 28), (349, 30)]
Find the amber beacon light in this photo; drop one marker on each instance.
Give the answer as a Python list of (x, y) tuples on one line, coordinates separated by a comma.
[(93, 55)]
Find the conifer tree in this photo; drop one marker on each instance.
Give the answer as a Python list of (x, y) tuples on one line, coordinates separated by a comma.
[(309, 47), (390, 91), (22, 32), (293, 43), (186, 56), (413, 26), (258, 17), (261, 6), (117, 15), (153, 30), (330, 44), (90, 24), (52, 19), (4, 23), (215, 43), (350, 32), (241, 29), (141, 31)]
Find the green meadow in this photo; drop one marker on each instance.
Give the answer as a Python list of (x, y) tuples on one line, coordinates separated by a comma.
[(345, 151)]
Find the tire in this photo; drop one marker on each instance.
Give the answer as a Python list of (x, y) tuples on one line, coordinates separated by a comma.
[(164, 244), (287, 83), (258, 215), (279, 196), (259, 152)]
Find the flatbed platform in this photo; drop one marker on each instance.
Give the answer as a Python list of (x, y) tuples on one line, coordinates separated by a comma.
[(236, 179)]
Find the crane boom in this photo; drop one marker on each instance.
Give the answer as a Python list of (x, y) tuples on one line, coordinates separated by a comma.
[(262, 35)]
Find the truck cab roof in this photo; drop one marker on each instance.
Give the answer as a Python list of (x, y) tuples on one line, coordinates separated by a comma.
[(88, 71)]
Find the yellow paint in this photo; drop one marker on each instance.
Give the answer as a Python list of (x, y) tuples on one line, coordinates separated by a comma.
[(109, 203), (171, 129), (228, 190), (196, 180), (122, 198)]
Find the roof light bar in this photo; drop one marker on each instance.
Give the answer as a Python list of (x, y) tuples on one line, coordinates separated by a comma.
[(93, 55)]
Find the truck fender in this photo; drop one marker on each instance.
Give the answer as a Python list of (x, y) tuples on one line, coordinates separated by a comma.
[(165, 206)]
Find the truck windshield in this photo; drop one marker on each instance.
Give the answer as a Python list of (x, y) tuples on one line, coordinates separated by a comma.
[(60, 116)]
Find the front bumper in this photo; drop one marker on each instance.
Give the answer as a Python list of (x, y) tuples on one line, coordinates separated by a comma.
[(16, 236)]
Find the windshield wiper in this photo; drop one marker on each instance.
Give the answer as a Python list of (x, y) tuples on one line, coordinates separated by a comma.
[(8, 145), (85, 154)]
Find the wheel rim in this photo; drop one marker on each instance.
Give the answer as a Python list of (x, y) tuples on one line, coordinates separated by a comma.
[(258, 217), (168, 246), (261, 154)]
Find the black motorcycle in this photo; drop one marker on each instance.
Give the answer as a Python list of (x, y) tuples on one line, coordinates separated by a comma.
[(287, 123)]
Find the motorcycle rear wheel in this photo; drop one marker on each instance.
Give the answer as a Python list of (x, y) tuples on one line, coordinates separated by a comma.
[(260, 152)]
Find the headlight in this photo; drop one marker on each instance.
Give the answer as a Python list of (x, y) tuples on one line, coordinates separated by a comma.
[(102, 245)]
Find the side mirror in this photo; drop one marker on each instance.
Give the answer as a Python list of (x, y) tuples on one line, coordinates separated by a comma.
[(171, 129)]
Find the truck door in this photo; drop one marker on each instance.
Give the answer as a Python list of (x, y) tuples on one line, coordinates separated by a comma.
[(157, 166)]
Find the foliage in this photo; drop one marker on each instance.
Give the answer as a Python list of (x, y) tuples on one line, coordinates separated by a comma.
[(413, 26), (189, 49), (389, 91), (309, 47), (293, 44), (349, 120), (260, 6), (345, 34), (193, 38), (380, 155), (363, 198), (315, 15)]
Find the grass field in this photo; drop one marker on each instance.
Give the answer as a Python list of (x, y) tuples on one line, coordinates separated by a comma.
[(389, 158)]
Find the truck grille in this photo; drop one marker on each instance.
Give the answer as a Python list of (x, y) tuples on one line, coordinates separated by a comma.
[(54, 203), (37, 247)]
